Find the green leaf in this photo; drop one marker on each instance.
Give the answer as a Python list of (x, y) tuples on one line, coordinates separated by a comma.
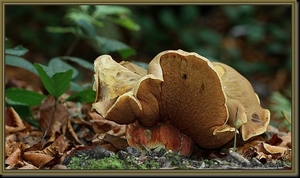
[(56, 83), (61, 30), (88, 27), (79, 61), (126, 22), (23, 97), (102, 11), (84, 96), (50, 71), (61, 66), (17, 51), (19, 62), (125, 53), (78, 16), (110, 45)]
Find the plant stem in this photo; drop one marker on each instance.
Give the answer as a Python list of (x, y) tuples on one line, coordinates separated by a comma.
[(285, 117), (234, 143)]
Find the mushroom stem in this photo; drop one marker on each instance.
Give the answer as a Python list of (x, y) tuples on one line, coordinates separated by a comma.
[(161, 135)]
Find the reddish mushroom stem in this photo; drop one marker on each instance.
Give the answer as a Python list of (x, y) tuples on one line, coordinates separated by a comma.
[(161, 135)]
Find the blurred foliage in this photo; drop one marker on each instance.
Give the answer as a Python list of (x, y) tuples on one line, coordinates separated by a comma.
[(256, 40), (88, 22), (282, 109)]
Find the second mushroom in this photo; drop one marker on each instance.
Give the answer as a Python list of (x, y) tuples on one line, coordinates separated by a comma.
[(182, 98)]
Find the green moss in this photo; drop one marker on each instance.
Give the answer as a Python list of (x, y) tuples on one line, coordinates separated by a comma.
[(84, 161)]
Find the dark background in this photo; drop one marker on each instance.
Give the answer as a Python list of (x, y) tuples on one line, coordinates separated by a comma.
[(256, 40)]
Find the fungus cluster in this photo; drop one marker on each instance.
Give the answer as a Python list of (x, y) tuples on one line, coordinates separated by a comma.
[(181, 99)]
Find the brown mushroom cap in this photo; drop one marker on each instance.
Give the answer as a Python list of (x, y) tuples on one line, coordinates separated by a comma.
[(190, 97), (240, 93), (161, 135)]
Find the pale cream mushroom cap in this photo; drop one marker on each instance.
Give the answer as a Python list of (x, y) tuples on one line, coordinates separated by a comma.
[(114, 85), (240, 91)]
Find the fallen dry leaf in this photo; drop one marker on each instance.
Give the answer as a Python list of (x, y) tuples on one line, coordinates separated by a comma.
[(52, 116), (13, 158), (101, 125), (53, 152), (37, 159), (274, 148), (13, 122), (118, 142)]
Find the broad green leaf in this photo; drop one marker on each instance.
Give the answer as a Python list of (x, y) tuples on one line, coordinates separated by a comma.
[(17, 51), (50, 71), (56, 83), (19, 62), (84, 96), (60, 65), (61, 82), (79, 61), (23, 97)]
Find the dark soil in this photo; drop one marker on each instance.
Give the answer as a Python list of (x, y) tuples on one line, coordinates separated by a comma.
[(133, 159)]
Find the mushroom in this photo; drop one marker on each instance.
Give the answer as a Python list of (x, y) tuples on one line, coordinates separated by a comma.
[(114, 84), (190, 97), (161, 135), (182, 95), (241, 94)]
